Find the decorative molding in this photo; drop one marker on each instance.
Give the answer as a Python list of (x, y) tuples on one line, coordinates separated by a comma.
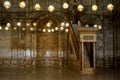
[(88, 34)]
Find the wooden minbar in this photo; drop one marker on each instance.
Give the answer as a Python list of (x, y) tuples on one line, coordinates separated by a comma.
[(88, 40)]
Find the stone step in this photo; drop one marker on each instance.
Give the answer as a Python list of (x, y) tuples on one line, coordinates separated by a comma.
[(87, 70)]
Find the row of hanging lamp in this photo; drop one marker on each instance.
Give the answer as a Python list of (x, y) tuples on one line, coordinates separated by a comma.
[(7, 4), (51, 8), (80, 7)]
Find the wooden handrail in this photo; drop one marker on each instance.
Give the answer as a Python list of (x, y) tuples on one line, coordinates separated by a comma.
[(74, 41)]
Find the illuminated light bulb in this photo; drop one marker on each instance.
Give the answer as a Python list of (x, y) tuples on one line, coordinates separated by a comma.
[(65, 5), (94, 7), (14, 28), (34, 24), (61, 28), (19, 24), (56, 28), (37, 7), (95, 25), (31, 29), (62, 24), (48, 24), (67, 24), (110, 7), (52, 30), (44, 30), (22, 4), (49, 30), (23, 29), (27, 24), (86, 25), (51, 8), (99, 27), (80, 7), (8, 24), (66, 30), (6, 28), (0, 27), (7, 4)]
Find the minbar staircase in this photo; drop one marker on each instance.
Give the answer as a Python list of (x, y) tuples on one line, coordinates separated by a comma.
[(75, 45)]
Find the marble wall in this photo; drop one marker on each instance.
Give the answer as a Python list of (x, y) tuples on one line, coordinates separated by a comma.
[(104, 46), (51, 48), (47, 44), (5, 45), (47, 48), (17, 48)]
